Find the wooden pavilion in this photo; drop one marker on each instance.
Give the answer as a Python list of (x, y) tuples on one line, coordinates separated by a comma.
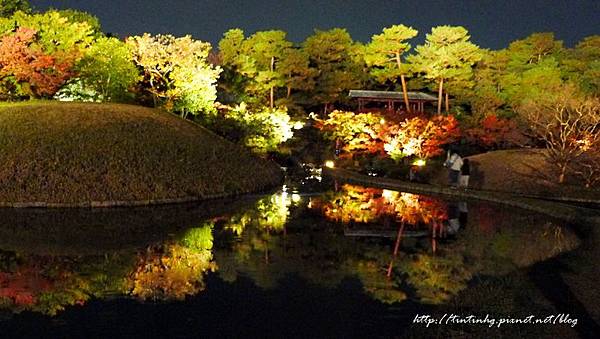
[(394, 101)]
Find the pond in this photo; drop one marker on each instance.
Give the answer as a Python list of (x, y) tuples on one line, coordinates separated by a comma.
[(339, 260)]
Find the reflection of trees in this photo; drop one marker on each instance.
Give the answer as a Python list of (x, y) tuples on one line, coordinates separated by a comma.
[(173, 271), (49, 284), (437, 278), (369, 205)]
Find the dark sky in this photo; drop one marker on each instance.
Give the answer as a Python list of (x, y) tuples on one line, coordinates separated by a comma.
[(492, 23)]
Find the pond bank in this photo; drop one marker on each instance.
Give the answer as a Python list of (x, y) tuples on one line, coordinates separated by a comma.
[(561, 211)]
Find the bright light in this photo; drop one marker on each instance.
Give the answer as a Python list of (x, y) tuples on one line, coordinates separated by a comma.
[(296, 198), (389, 195), (382, 121), (419, 162), (329, 164), (298, 125)]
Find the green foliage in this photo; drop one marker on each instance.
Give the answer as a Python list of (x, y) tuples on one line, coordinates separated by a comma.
[(338, 61), (199, 238), (384, 52), (9, 7), (106, 73), (583, 65), (347, 126), (254, 64), (437, 278), (446, 55), (262, 130), (56, 32), (176, 72)]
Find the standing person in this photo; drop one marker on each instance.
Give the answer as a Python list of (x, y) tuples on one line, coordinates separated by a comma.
[(454, 164), (465, 173)]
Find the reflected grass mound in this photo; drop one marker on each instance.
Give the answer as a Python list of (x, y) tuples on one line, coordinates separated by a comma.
[(110, 154)]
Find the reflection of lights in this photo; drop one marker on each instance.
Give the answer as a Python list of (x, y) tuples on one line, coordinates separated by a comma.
[(419, 162), (382, 121), (309, 203), (329, 164), (296, 198)]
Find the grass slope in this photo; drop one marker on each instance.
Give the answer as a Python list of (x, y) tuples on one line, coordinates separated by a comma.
[(76, 153), (525, 171)]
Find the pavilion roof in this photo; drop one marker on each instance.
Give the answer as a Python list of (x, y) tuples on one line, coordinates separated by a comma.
[(390, 95)]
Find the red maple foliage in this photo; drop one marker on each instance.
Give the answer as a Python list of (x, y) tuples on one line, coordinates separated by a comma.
[(39, 74), (496, 133)]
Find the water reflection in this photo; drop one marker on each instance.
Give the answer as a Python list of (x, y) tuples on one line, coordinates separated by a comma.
[(398, 245)]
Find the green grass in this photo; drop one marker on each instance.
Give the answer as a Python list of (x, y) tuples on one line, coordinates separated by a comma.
[(75, 153)]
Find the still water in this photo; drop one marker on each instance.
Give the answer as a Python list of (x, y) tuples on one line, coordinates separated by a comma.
[(348, 261)]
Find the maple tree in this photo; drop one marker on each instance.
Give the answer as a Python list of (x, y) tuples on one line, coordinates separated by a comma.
[(25, 70), (422, 137), (495, 133)]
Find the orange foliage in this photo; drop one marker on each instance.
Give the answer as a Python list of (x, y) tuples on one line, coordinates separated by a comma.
[(422, 137), (370, 205), (495, 132), (38, 73)]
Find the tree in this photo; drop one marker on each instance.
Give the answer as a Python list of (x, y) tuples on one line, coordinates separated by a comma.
[(176, 72), (298, 75), (569, 125), (422, 137), (107, 71), (266, 48), (336, 59), (446, 54), (385, 53), (9, 7), (583, 65), (25, 70), (57, 32)]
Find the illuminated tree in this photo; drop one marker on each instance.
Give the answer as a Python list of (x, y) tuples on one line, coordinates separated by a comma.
[(385, 53), (24, 70), (265, 49), (583, 63), (106, 73), (446, 54), (176, 72), (337, 60), (262, 130), (294, 66), (422, 137), (357, 132), (569, 126), (57, 32), (40, 61)]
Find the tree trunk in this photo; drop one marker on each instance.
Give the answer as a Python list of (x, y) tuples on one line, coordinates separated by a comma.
[(272, 89), (447, 103), (440, 91), (563, 171), (403, 81)]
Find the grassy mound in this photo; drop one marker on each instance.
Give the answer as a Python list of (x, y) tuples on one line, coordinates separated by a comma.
[(525, 171), (77, 153)]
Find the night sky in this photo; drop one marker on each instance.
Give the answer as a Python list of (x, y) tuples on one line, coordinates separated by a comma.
[(492, 23)]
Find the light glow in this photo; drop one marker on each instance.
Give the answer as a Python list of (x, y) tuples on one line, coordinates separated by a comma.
[(329, 164)]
